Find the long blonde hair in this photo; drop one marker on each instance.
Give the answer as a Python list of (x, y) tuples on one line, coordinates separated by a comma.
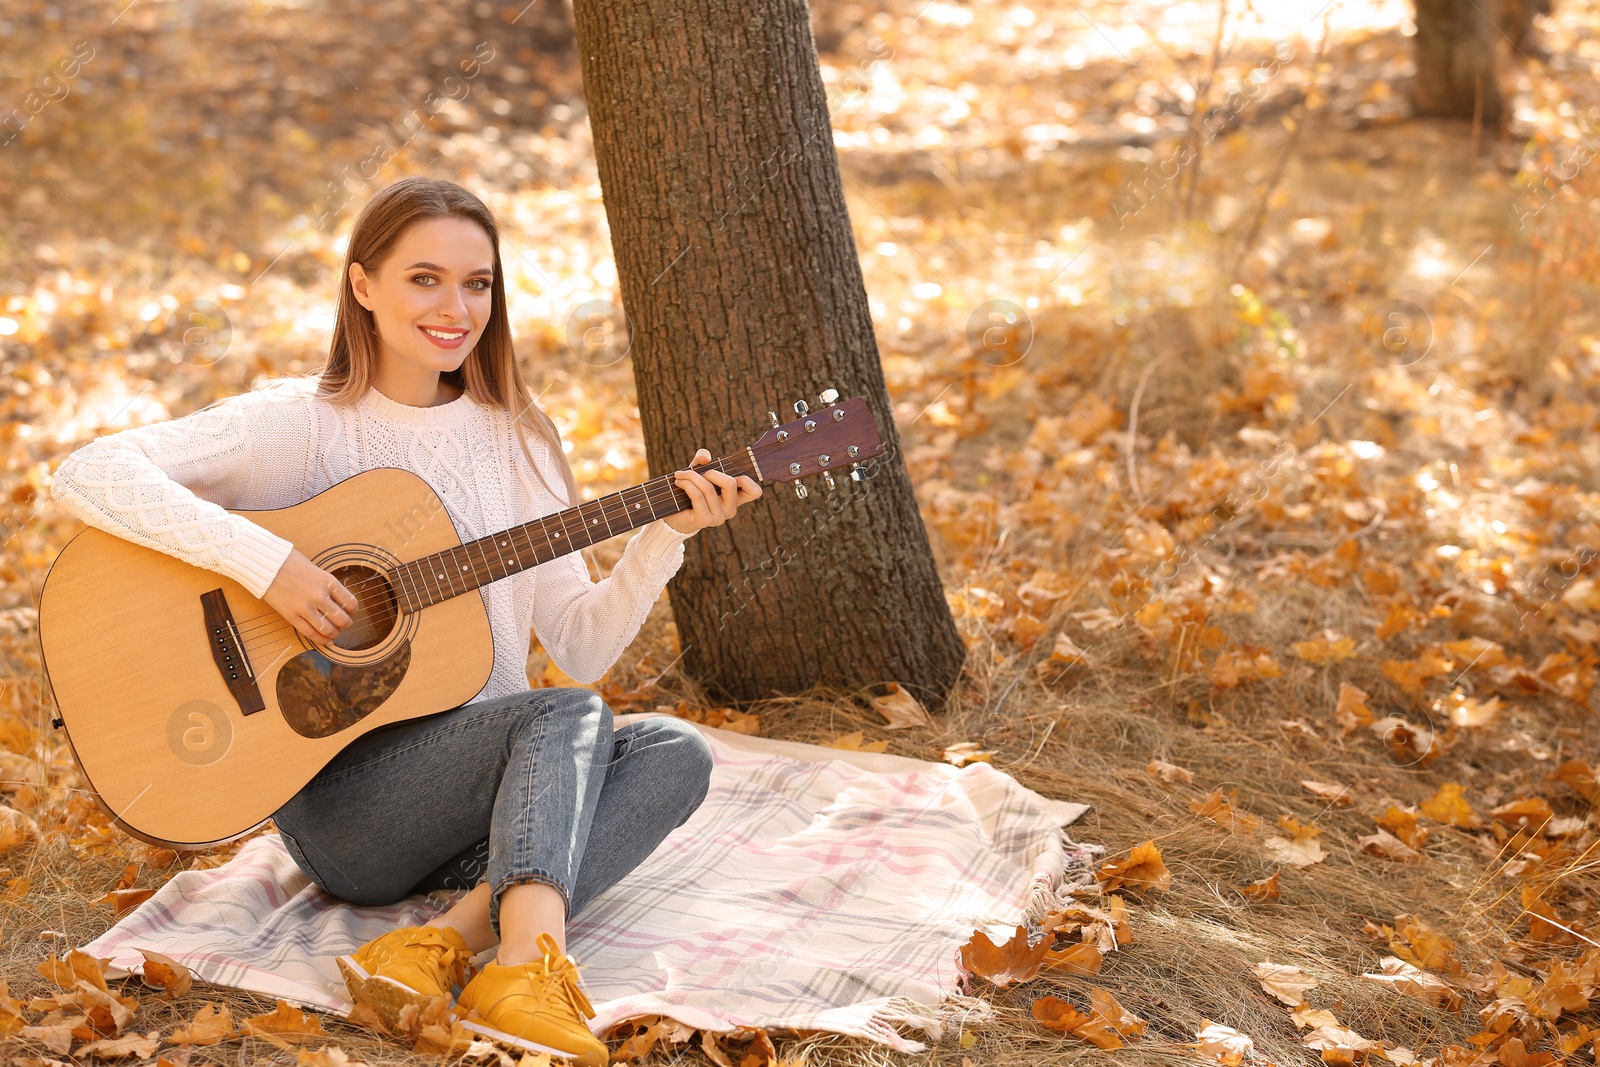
[(490, 374)]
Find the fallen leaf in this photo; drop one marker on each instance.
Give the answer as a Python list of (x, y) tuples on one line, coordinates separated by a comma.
[(1223, 811), (212, 1023), (900, 709), (1479, 654), (135, 1044), (1142, 869), (1084, 958), (1403, 824), (166, 972), (1449, 806), (1043, 589), (1579, 776), (1067, 651), (1468, 711), (1015, 961), (56, 1037), (1057, 1014), (855, 742), (1103, 1005), (123, 901), (1352, 712), (1223, 1044), (1285, 982), (1408, 743), (1407, 978), (1339, 1047), (740, 722), (334, 1056), (15, 828), (69, 969), (967, 752), (1401, 615), (1337, 795), (1412, 675), (1330, 648), (285, 1022), (1385, 844), (1168, 772), (1424, 945), (107, 1012), (1235, 667), (1532, 814), (1264, 889), (364, 1016), (1305, 1016), (1301, 849), (1544, 925)]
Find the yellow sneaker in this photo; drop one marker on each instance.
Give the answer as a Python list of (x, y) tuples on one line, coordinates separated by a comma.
[(536, 1006), (411, 965)]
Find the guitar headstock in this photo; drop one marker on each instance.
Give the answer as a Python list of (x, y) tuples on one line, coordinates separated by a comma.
[(834, 439)]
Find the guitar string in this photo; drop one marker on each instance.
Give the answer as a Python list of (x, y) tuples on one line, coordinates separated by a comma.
[(652, 499), (260, 625), (652, 496)]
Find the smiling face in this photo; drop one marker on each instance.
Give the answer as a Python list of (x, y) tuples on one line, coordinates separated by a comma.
[(431, 298)]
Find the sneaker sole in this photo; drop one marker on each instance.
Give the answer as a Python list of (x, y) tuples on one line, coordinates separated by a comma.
[(520, 1042), (384, 995)]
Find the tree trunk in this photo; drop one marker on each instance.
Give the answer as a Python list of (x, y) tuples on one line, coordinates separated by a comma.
[(1458, 47), (744, 293)]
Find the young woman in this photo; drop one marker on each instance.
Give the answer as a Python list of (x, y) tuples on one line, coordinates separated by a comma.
[(529, 798)]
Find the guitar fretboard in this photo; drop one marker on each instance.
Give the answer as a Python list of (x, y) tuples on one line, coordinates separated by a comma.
[(458, 570)]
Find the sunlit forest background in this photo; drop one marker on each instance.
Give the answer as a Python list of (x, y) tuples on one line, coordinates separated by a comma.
[(1252, 418)]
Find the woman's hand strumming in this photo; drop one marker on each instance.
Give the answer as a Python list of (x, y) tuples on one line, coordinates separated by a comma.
[(716, 496), (311, 599)]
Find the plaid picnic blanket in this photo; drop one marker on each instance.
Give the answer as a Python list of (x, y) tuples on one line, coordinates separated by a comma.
[(814, 888)]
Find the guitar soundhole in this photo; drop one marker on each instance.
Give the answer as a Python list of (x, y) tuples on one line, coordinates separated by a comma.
[(376, 609)]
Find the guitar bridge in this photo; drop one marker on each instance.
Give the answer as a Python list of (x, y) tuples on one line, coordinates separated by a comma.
[(227, 650)]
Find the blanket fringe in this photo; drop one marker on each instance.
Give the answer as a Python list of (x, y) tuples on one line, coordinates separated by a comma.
[(1047, 894), (932, 1019)]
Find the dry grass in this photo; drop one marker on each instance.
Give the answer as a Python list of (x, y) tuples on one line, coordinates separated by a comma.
[(1088, 734)]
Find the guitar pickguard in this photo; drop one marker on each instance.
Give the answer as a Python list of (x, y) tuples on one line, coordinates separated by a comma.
[(319, 696)]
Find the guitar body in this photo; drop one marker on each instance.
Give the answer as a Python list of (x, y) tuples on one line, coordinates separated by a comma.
[(189, 744)]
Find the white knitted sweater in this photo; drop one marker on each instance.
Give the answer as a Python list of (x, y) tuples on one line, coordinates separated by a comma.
[(167, 486)]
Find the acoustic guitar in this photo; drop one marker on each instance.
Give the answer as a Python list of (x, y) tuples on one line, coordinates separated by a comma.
[(195, 710)]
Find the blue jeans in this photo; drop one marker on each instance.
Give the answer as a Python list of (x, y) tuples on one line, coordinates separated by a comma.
[(537, 786)]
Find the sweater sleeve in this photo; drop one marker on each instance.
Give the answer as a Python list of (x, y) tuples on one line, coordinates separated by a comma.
[(167, 486), (585, 625)]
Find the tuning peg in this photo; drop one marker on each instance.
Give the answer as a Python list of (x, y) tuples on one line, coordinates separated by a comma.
[(827, 476), (856, 473), (773, 415), (800, 489), (801, 407), (829, 396)]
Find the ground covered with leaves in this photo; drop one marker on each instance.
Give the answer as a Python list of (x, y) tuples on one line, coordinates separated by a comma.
[(1253, 424)]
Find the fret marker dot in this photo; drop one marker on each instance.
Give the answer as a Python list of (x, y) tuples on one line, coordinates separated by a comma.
[(441, 577)]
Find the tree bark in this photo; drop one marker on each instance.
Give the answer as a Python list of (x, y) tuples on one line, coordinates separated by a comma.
[(1458, 47), (744, 293)]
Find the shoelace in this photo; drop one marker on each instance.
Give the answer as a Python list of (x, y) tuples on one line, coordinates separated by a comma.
[(562, 967)]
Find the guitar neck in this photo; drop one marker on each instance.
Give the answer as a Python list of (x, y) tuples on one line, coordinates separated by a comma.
[(458, 570)]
